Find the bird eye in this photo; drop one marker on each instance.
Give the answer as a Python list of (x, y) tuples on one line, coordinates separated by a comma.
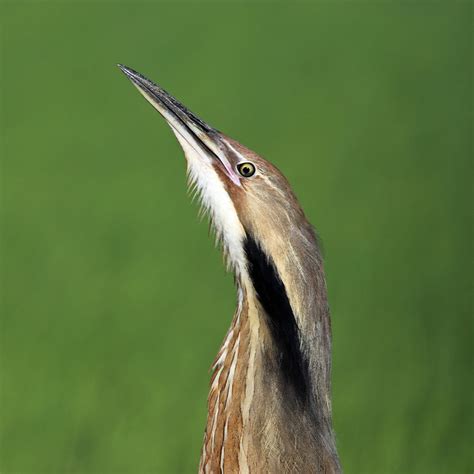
[(246, 169)]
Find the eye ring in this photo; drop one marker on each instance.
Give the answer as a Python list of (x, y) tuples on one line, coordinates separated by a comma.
[(246, 169)]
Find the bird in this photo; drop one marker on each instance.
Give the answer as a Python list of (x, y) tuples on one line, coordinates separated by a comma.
[(269, 402)]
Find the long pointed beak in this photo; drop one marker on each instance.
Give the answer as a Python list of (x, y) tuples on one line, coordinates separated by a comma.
[(204, 139)]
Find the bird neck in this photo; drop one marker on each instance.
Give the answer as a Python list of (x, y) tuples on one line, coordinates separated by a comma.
[(270, 389)]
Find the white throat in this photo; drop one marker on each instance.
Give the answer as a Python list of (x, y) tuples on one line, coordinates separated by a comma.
[(216, 201)]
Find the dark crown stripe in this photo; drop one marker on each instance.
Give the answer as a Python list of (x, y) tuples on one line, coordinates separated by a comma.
[(281, 321)]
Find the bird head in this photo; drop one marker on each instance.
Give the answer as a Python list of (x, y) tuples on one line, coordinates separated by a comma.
[(245, 195)]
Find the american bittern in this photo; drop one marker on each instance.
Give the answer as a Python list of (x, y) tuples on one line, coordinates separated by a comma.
[(269, 406)]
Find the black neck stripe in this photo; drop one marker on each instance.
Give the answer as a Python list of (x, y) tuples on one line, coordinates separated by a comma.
[(279, 316)]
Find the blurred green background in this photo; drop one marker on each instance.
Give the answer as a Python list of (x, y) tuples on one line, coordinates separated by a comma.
[(114, 301)]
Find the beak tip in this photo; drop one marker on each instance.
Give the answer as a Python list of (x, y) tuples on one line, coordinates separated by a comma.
[(127, 71)]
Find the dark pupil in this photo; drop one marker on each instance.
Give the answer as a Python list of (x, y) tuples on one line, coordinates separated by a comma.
[(246, 169)]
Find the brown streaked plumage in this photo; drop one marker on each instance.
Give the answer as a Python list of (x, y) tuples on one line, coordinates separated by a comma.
[(270, 396)]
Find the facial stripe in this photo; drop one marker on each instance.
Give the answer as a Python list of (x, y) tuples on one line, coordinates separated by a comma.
[(281, 321)]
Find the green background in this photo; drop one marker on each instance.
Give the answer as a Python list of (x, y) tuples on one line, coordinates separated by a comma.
[(114, 301)]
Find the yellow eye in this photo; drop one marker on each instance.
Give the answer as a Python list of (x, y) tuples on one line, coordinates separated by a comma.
[(246, 169)]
